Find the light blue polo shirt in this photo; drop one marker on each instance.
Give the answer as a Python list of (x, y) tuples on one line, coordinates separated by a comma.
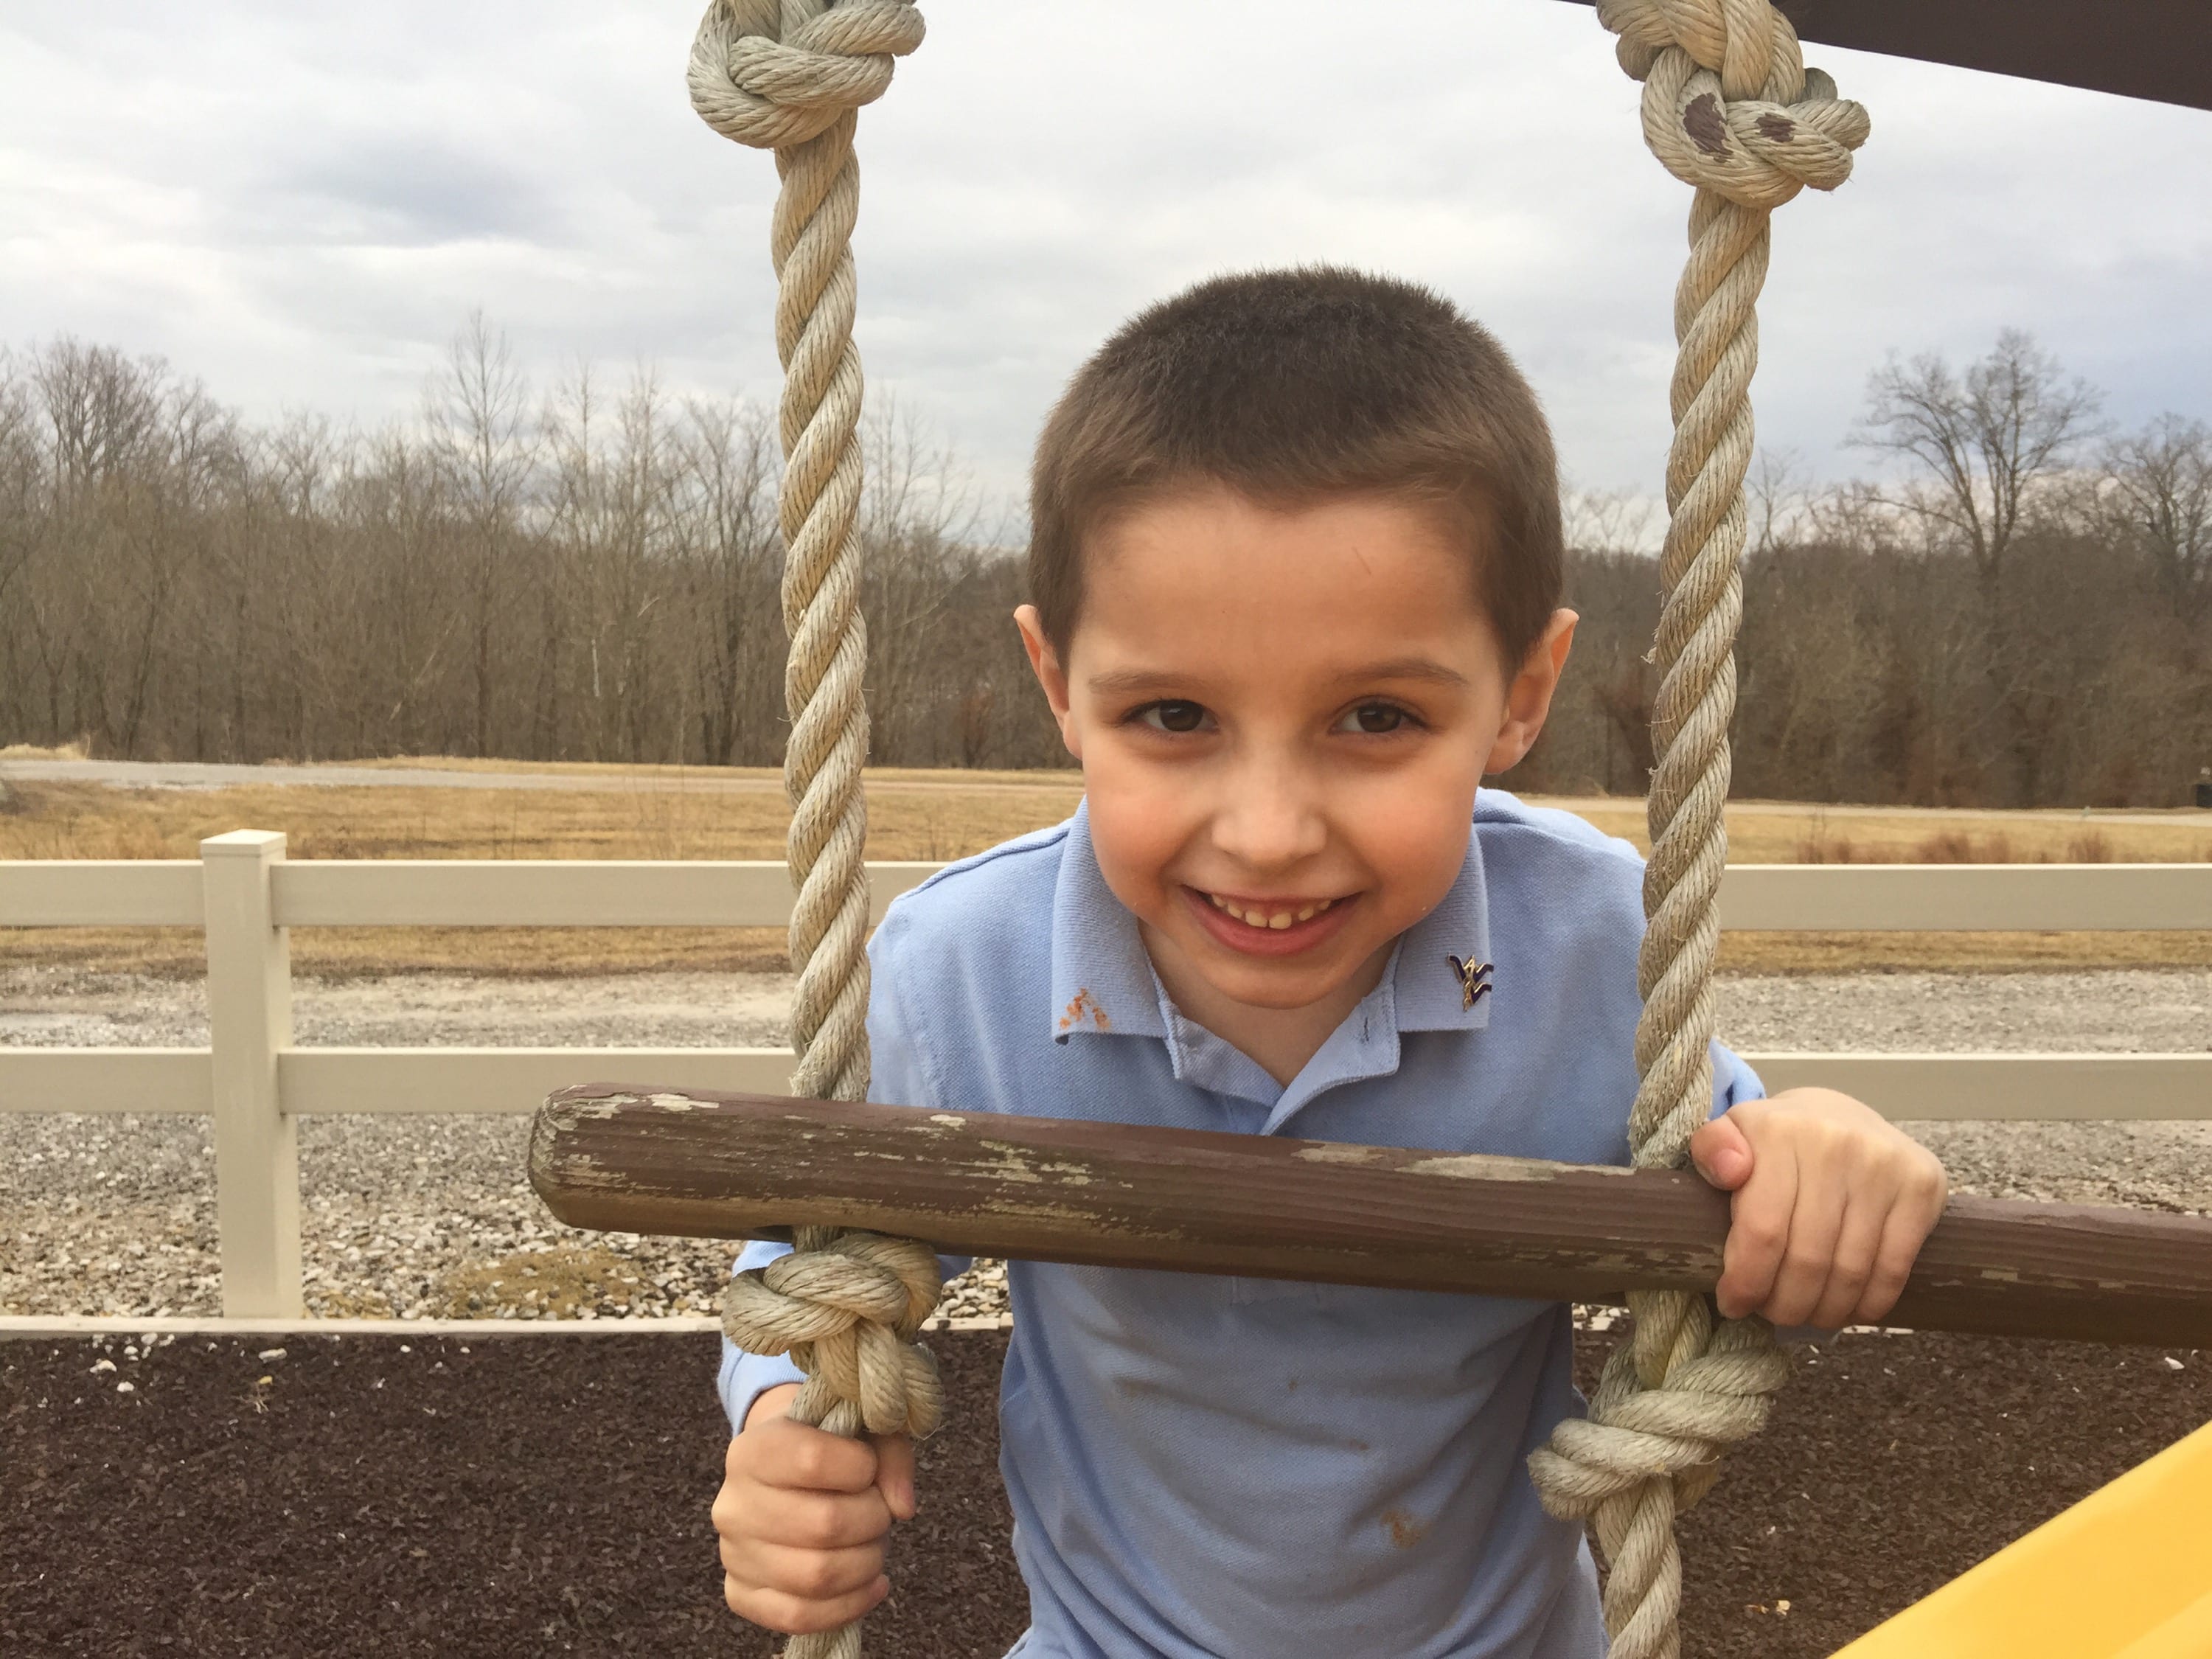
[(1209, 1467)]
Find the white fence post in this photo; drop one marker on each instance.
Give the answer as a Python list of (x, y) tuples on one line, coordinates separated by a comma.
[(256, 1157)]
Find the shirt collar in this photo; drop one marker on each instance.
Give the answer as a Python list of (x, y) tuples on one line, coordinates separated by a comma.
[(1432, 990), (1103, 982)]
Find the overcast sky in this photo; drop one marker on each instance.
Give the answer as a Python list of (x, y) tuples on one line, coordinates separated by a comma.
[(298, 202)]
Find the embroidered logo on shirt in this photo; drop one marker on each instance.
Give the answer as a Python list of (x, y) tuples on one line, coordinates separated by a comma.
[(1474, 980)]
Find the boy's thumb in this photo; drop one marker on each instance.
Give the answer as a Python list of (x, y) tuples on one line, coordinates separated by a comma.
[(895, 1474), (1722, 1154)]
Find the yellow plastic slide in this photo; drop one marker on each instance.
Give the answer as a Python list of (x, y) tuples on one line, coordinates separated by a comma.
[(2124, 1574)]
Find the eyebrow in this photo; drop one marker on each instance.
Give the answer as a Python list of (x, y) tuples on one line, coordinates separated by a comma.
[(1132, 682), (1409, 668)]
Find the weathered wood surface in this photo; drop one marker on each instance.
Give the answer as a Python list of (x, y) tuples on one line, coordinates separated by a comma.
[(2157, 49), (735, 1166)]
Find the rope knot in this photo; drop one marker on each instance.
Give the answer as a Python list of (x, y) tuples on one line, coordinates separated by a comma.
[(1728, 105), (846, 1311), (1676, 1430), (775, 73)]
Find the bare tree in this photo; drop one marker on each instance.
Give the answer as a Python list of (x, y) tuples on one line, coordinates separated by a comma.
[(1780, 499), (479, 418), (2158, 488), (19, 467), (728, 542), (1610, 521), (19, 492), (104, 407), (917, 524), (1986, 443), (1985, 440)]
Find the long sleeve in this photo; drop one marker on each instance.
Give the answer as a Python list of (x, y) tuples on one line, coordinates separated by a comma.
[(744, 1377), (898, 1076)]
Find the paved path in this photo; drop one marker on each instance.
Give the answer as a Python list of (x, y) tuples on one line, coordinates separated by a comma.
[(205, 775)]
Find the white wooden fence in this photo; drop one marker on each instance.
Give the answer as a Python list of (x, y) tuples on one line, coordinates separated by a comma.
[(254, 1082)]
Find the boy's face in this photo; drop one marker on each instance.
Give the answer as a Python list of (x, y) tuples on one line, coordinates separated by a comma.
[(1282, 715)]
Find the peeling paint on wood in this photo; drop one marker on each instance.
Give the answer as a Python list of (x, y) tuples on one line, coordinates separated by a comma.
[(1477, 1166), (1328, 1152)]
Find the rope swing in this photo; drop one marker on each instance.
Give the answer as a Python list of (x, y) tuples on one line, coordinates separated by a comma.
[(846, 1305), (1729, 108)]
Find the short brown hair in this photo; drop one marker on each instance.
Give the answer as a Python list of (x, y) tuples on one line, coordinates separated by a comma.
[(1291, 386)]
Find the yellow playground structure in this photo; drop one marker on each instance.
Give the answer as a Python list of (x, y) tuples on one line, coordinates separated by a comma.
[(2124, 1574)]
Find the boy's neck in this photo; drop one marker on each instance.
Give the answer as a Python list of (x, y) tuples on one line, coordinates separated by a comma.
[(1279, 1040)]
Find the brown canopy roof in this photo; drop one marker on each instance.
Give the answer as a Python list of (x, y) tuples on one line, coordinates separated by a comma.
[(2157, 49)]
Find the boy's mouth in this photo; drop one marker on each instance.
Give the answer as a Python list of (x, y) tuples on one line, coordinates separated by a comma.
[(1268, 927)]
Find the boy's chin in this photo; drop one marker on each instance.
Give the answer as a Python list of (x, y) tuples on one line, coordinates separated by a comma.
[(1277, 992), (1280, 983)]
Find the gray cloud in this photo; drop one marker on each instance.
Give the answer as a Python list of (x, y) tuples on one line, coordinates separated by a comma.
[(403, 192)]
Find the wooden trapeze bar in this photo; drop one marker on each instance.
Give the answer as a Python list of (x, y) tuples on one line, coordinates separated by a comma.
[(637, 1159)]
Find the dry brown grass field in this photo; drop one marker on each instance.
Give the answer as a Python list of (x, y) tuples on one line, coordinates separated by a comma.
[(702, 814)]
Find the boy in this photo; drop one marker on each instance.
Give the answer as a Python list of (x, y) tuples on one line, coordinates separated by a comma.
[(1296, 567)]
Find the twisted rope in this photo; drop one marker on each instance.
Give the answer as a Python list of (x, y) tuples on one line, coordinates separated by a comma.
[(1729, 108), (791, 76)]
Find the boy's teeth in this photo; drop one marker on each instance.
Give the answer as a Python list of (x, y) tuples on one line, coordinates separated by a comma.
[(1258, 918)]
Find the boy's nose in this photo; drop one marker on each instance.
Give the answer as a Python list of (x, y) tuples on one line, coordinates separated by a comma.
[(1267, 818)]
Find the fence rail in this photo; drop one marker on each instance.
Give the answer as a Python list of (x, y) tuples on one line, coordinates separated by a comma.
[(256, 1083)]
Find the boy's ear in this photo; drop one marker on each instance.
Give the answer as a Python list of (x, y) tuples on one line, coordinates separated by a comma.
[(1529, 699), (1051, 675)]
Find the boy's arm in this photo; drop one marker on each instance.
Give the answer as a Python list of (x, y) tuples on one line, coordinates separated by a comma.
[(897, 1077)]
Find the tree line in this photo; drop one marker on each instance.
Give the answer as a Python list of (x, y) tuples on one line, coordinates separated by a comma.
[(2016, 610)]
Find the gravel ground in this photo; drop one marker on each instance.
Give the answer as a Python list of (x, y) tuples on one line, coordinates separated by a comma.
[(431, 1217)]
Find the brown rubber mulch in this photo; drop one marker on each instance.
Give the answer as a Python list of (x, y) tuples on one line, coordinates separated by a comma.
[(526, 1496)]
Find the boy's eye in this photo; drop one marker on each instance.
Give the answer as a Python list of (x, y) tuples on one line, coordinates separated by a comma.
[(1374, 719), (1173, 715)]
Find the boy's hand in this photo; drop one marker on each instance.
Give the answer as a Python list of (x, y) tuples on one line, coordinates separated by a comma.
[(1832, 1205), (803, 1515)]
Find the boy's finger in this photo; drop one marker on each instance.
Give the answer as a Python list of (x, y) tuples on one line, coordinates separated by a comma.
[(1816, 1221), (811, 1575), (814, 1520), (1722, 1154), (1858, 1246), (1759, 1232), (794, 1615), (1904, 1231), (796, 1454), (895, 1474)]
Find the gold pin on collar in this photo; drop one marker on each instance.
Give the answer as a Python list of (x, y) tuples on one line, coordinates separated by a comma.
[(1474, 980)]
